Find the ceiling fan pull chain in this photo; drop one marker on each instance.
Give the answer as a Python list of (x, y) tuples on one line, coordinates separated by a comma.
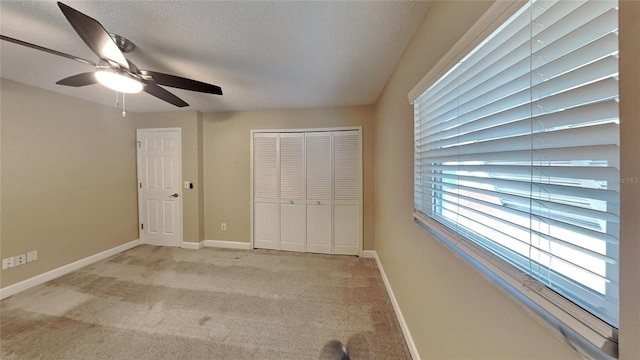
[(124, 112), (117, 99)]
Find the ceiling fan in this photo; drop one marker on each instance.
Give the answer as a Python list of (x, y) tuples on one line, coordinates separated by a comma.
[(113, 70)]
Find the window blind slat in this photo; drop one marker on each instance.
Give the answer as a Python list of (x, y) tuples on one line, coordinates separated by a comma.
[(517, 187), (501, 47), (505, 225), (591, 21), (573, 137), (497, 64), (550, 12), (582, 114), (544, 85), (596, 173), (473, 74), (607, 153), (513, 190), (577, 247), (605, 67), (496, 224), (491, 223), (498, 198), (599, 112), (606, 45), (497, 67)]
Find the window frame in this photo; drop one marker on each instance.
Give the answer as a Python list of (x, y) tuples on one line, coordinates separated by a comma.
[(590, 336)]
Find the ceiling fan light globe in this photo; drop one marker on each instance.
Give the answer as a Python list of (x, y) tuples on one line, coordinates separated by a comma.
[(118, 82)]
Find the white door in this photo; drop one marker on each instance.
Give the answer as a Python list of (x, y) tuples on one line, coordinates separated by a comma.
[(293, 217), (346, 192), (266, 191), (319, 209), (159, 191)]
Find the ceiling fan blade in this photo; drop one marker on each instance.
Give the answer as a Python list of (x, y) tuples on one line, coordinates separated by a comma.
[(182, 83), (160, 93), (94, 35), (83, 79), (50, 51), (132, 67)]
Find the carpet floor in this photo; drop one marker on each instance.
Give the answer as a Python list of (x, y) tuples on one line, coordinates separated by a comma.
[(170, 303)]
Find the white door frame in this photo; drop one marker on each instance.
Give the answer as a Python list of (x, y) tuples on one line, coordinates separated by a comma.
[(180, 230), (361, 210)]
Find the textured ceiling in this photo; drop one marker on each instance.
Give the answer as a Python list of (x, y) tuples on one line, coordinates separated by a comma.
[(264, 54)]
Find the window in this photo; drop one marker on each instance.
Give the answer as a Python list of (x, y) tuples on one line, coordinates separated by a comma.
[(517, 160)]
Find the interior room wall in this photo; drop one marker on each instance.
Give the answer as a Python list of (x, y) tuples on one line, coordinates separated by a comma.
[(200, 176), (68, 179), (190, 123), (227, 162), (451, 310), (630, 179)]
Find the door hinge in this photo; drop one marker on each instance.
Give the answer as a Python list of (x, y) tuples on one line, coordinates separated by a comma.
[(140, 185), (142, 226), (139, 143)]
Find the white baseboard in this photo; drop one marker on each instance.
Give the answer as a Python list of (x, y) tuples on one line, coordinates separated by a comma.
[(192, 245), (403, 324), (215, 243), (369, 254), (63, 270), (227, 244)]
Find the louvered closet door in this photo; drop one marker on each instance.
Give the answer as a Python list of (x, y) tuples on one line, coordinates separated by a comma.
[(346, 192), (318, 156), (293, 202), (266, 191)]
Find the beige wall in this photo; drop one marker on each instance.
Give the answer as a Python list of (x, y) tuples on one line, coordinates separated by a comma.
[(630, 172), (200, 188), (452, 311), (68, 179), (227, 162), (190, 123)]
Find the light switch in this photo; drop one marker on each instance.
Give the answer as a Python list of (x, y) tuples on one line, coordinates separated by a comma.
[(186, 184)]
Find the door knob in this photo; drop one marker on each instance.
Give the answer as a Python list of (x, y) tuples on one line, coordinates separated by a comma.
[(290, 201), (174, 195), (318, 202)]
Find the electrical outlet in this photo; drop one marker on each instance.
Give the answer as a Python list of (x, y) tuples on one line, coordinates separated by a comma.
[(20, 260), (32, 256), (223, 226), (7, 263)]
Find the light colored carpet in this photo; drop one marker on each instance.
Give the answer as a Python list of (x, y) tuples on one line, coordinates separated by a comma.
[(170, 303)]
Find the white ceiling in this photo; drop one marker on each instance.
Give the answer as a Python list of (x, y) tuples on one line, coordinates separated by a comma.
[(264, 54)]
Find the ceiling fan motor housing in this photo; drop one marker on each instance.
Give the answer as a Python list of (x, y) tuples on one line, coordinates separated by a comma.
[(124, 44)]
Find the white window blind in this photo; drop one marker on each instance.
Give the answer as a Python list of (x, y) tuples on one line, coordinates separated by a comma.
[(517, 151)]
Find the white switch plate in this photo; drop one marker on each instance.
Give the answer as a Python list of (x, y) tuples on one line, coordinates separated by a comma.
[(32, 256), (20, 260), (186, 184), (7, 263), (223, 226)]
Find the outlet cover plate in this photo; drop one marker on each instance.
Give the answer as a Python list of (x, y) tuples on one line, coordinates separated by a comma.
[(7, 263), (20, 260), (32, 256)]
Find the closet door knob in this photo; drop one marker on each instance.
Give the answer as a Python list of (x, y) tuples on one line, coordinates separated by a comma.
[(290, 201), (318, 202)]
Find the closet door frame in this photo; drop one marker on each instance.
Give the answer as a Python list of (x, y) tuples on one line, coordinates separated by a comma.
[(305, 130)]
